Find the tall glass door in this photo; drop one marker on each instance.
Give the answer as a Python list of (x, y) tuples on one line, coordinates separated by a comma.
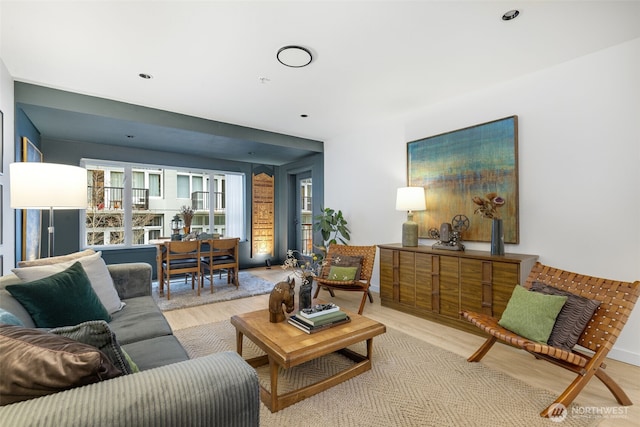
[(304, 214)]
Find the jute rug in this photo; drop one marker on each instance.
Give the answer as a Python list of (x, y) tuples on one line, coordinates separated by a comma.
[(412, 383), (183, 296)]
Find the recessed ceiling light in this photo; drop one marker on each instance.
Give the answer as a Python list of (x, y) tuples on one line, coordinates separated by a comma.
[(294, 56), (512, 14), (145, 76)]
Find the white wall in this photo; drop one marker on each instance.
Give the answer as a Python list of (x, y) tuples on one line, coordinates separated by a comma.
[(8, 222), (579, 164)]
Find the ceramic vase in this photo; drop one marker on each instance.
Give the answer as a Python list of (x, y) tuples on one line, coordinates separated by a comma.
[(304, 294), (497, 237)]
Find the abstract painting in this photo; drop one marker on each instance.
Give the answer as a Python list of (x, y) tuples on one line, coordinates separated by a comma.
[(31, 218), (456, 166)]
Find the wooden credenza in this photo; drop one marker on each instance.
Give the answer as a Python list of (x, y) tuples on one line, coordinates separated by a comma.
[(437, 284)]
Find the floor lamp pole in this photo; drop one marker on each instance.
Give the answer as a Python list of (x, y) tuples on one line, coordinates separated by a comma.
[(51, 232)]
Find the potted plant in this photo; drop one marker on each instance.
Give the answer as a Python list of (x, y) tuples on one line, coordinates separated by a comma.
[(333, 228)]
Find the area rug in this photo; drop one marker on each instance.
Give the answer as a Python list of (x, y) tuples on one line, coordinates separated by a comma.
[(411, 383), (183, 296)]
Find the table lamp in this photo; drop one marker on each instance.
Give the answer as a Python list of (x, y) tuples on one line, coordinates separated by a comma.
[(410, 199), (36, 185)]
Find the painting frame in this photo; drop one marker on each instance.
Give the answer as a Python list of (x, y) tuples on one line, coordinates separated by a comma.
[(455, 166), (31, 218)]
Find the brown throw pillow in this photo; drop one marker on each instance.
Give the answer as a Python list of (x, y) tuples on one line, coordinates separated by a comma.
[(36, 363), (572, 319), (347, 261)]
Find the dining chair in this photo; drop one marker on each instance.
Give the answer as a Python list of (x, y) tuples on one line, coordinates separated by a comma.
[(181, 257), (222, 255)]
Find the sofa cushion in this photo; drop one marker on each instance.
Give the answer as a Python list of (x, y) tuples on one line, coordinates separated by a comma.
[(97, 333), (57, 259), (96, 270), (7, 318), (531, 314), (36, 363), (572, 319), (139, 320), (63, 299), (156, 352)]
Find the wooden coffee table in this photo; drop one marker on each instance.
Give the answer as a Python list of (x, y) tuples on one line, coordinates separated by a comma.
[(286, 346)]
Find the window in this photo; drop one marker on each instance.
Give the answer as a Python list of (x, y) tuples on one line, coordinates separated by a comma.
[(184, 186), (155, 184), (130, 205)]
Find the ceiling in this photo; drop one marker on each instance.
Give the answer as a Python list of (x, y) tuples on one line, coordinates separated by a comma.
[(215, 60)]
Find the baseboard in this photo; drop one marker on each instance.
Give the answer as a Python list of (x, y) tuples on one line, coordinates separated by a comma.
[(624, 356)]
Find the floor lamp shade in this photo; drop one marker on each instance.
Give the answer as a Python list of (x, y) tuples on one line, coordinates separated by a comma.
[(410, 199), (36, 185)]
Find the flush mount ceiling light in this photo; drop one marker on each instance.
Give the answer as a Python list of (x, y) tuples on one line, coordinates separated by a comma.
[(512, 14), (294, 56)]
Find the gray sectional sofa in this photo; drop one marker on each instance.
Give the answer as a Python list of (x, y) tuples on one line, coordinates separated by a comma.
[(170, 390)]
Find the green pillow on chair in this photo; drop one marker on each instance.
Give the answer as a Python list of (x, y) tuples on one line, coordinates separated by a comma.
[(531, 314), (63, 299), (344, 274)]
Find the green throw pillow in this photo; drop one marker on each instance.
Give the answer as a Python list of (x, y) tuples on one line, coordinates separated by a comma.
[(347, 261), (344, 274), (531, 314), (63, 299)]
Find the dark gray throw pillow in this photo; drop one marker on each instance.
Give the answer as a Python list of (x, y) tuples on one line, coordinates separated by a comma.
[(97, 333), (572, 319)]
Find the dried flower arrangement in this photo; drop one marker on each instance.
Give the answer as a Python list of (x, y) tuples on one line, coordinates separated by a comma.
[(187, 216), (488, 206)]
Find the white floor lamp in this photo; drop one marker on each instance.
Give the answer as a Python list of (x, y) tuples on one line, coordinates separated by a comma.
[(36, 185)]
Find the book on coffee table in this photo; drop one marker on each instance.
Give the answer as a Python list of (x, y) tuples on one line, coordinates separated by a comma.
[(318, 310), (324, 319), (294, 321)]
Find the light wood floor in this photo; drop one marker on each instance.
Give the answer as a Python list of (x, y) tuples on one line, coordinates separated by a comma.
[(517, 363)]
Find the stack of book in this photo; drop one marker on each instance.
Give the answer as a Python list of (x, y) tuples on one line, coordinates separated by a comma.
[(318, 318)]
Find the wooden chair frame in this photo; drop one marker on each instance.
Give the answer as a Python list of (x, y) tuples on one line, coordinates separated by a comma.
[(368, 254), (222, 255), (617, 300), (186, 260)]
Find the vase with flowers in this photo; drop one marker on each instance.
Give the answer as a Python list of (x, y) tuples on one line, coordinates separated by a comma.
[(487, 207), (187, 216), (306, 267)]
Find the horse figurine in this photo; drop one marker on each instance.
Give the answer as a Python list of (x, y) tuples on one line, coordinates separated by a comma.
[(282, 293)]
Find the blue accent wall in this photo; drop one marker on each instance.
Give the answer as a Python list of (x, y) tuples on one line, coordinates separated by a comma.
[(24, 128)]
